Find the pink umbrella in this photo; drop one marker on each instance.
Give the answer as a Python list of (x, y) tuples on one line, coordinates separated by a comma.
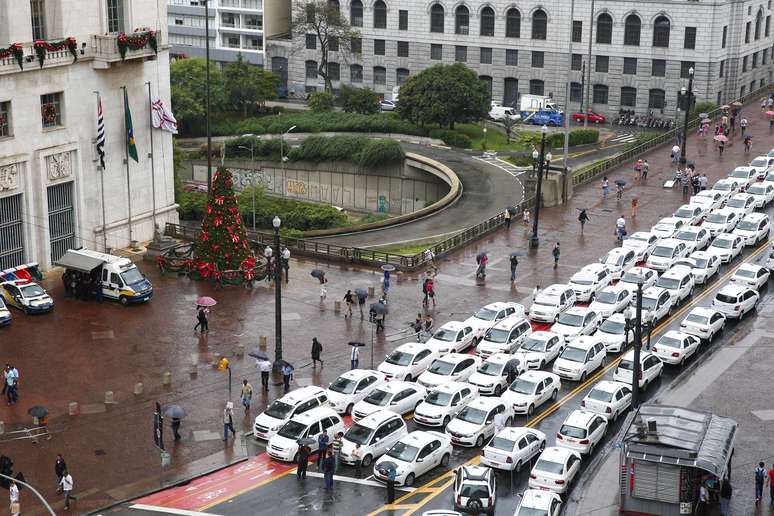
[(770, 113), (206, 301), (721, 138)]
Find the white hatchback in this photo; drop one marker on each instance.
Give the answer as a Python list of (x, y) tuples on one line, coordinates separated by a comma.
[(491, 314), (399, 397), (452, 337), (650, 369), (581, 431), (702, 322), (675, 347), (454, 367), (741, 204), (665, 254), (443, 403), (636, 275), (726, 246), (642, 242), (743, 176), (610, 300), (656, 304), (504, 337), (763, 193), (679, 282), (550, 302), (538, 502), (612, 333), (531, 390), (753, 228), (351, 387), (476, 422), (577, 321), (555, 469), (491, 377), (619, 260), (513, 447), (414, 455), (284, 444), (540, 349), (690, 214), (582, 356), (695, 238), (589, 280), (734, 301), (608, 399), (720, 221), (706, 265), (751, 275), (408, 361), (667, 227), (375, 434)]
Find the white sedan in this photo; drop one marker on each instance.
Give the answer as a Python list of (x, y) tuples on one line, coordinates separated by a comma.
[(408, 361), (608, 398), (743, 176), (704, 323), (711, 199), (610, 300), (667, 227), (761, 165), (721, 221), (454, 367), (619, 260), (443, 403), (538, 502), (351, 387), (751, 275), (513, 447), (540, 349), (414, 455), (763, 193), (491, 314), (589, 280), (642, 243), (753, 229), (452, 337), (742, 204), (726, 246), (612, 333), (492, 376), (695, 238), (636, 275), (705, 266), (666, 253), (531, 390), (476, 422), (675, 347), (555, 469), (690, 213), (577, 321), (726, 187), (399, 397)]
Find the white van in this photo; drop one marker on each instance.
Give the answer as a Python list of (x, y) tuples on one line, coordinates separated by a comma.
[(119, 278), (282, 410), (498, 113), (309, 425)]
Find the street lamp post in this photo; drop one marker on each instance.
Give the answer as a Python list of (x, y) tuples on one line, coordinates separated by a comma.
[(276, 222), (252, 174), (543, 161), (687, 106), (283, 158), (637, 343)]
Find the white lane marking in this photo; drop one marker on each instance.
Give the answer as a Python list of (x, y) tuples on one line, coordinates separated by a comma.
[(361, 481), (169, 510)]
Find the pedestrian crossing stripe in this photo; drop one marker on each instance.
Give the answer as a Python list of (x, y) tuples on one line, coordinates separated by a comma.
[(624, 138)]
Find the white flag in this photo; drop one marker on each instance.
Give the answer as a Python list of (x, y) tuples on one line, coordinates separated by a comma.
[(162, 117)]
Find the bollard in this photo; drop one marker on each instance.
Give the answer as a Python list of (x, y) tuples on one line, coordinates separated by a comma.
[(337, 306), (166, 378), (262, 342), (2, 428), (108, 397), (73, 409), (194, 359), (35, 421), (371, 291), (193, 371), (138, 388), (215, 359), (240, 350)]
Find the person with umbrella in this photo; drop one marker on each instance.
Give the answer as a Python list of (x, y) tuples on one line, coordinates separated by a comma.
[(583, 217), (176, 412), (514, 264), (176, 428), (287, 374), (201, 319), (362, 295), (481, 259), (304, 451), (378, 311), (316, 350), (349, 299), (320, 275)]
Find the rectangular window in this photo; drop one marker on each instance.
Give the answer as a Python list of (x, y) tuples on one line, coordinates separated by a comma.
[(356, 73), (436, 52), (115, 16), (755, 60), (51, 110), (512, 57), (742, 91), (380, 75), (723, 68), (334, 71), (333, 44), (538, 59), (38, 19), (690, 38), (228, 20), (747, 32), (630, 66), (460, 53), (402, 20), (577, 62), (577, 31), (685, 68), (254, 22), (764, 56), (403, 48), (311, 41), (752, 86), (600, 94), (401, 76), (576, 92), (628, 97), (723, 39), (744, 64), (602, 64), (356, 45), (378, 47), (767, 27), (658, 68), (486, 55), (5, 119), (720, 96)]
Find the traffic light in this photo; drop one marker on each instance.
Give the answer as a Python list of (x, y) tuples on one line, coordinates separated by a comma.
[(6, 469)]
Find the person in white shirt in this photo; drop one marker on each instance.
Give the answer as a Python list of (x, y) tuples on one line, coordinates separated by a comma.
[(14, 493), (620, 227), (67, 488), (265, 368), (354, 356), (499, 422)]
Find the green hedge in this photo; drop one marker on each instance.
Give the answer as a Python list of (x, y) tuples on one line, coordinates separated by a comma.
[(380, 152), (556, 140), (452, 138)]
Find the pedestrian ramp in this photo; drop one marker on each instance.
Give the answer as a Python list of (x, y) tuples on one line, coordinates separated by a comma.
[(623, 138), (506, 166)]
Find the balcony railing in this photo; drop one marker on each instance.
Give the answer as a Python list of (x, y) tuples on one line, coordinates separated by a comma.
[(30, 60), (104, 49)]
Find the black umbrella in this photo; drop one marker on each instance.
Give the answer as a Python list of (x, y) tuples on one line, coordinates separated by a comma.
[(581, 209), (361, 293), (516, 253), (512, 210), (259, 355), (317, 273), (388, 267), (286, 363), (174, 411), (306, 441), (385, 467), (358, 344), (379, 308), (38, 411), (513, 364), (620, 182)]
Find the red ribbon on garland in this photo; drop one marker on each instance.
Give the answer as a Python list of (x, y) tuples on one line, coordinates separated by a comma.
[(16, 50), (136, 41), (42, 47)]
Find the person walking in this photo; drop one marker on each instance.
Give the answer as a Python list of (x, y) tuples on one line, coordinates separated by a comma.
[(361, 303), (620, 228), (635, 202), (431, 290), (316, 350), (619, 190), (12, 385), (246, 395), (350, 300), (701, 508), (265, 368), (675, 153), (336, 445), (391, 486), (556, 252), (771, 485), (357, 457), (703, 182), (760, 479), (525, 216), (6, 370), (322, 446), (201, 319), (514, 265), (638, 168), (13, 492), (386, 283), (583, 217), (743, 125), (424, 291), (482, 260), (605, 187), (428, 325), (645, 169), (417, 326), (228, 421), (303, 461), (726, 492), (722, 146), (67, 488), (354, 357), (499, 422), (60, 466), (747, 143), (507, 216), (287, 375), (685, 181), (176, 428), (329, 467)]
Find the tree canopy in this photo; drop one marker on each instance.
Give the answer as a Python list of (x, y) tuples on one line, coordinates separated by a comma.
[(359, 100), (188, 83), (248, 85)]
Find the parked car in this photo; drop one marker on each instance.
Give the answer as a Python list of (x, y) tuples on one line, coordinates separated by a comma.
[(610, 300), (414, 455), (581, 431), (762, 165), (577, 321), (734, 300), (667, 227), (726, 246), (666, 253), (742, 204), (454, 367), (27, 296), (618, 260), (743, 176), (504, 337), (538, 502), (512, 447), (675, 347), (475, 490), (608, 399), (5, 314), (727, 187), (550, 302), (702, 322), (712, 199), (375, 433), (387, 105), (284, 445), (490, 315), (656, 304), (408, 361), (690, 213), (763, 193), (589, 280), (642, 242), (695, 238), (443, 403), (636, 275), (753, 228), (351, 387), (612, 333), (491, 377), (400, 397), (580, 358), (296, 402), (474, 424), (720, 221), (555, 469), (451, 337), (594, 118), (531, 390), (540, 349), (751, 275), (705, 266), (679, 282), (650, 369)]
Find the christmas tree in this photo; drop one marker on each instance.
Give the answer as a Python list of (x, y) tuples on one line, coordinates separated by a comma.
[(222, 244)]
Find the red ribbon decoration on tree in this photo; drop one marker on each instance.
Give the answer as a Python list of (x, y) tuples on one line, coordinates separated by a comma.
[(219, 199), (235, 238), (218, 221)]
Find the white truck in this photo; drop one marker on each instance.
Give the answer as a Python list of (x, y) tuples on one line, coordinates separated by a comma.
[(499, 113), (533, 103)]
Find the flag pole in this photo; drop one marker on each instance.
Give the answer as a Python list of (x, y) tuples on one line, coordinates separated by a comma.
[(102, 193), (152, 157), (126, 160)]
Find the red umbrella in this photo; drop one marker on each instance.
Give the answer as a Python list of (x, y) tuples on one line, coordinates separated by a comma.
[(721, 138), (770, 113), (206, 301)]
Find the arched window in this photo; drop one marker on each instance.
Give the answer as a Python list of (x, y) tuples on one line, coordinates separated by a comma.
[(380, 15), (380, 75), (539, 25), (356, 13), (334, 4), (512, 23), (576, 92), (632, 28), (401, 76), (656, 99), (334, 71), (436, 18), (536, 87), (661, 32), (600, 94), (311, 69), (487, 21), (461, 20), (604, 28), (510, 91), (758, 23), (488, 81), (355, 73), (629, 96)]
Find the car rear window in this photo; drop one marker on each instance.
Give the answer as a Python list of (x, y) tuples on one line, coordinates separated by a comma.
[(724, 298)]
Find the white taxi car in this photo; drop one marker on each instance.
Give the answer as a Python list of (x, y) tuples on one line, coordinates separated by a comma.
[(309, 425), (751, 275), (720, 221), (504, 337), (705, 266), (734, 300), (741, 204), (443, 403), (408, 361), (589, 280), (491, 314), (678, 281), (612, 333), (753, 228), (675, 347), (690, 214), (414, 455), (454, 367), (531, 390), (476, 422), (702, 322), (656, 304), (555, 469), (642, 243), (726, 246), (650, 369), (451, 337), (513, 447), (665, 254), (618, 260), (5, 314), (743, 176), (711, 199), (375, 434), (762, 164), (667, 227), (550, 302), (695, 238), (577, 321), (608, 399), (610, 300), (581, 431), (491, 377), (726, 187), (351, 387), (540, 349), (538, 502), (296, 402), (397, 396), (635, 275), (763, 193), (580, 358)]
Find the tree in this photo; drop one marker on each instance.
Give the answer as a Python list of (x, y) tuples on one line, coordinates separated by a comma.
[(248, 85), (188, 80), (444, 94), (322, 20), (359, 100), (321, 101)]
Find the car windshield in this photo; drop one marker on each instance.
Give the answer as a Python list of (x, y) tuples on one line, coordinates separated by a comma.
[(573, 431), (132, 276), (663, 251), (486, 314), (343, 385), (717, 218), (501, 443), (769, 178), (723, 243), (736, 203), (582, 280), (31, 291), (445, 335), (607, 297), (701, 263), (626, 364), (670, 342), (403, 452), (689, 236), (441, 367), (741, 174), (474, 491), (760, 162), (725, 298), (568, 319), (292, 430), (547, 300), (439, 399), (632, 277), (378, 397), (533, 344), (648, 303), (664, 282), (522, 387), (723, 187), (684, 213), (532, 511), (612, 327), (664, 227), (747, 225), (358, 434), (399, 358), (696, 318), (574, 354), (497, 335), (615, 259), (472, 415), (745, 273), (491, 369), (600, 395), (756, 190), (548, 466), (279, 410)]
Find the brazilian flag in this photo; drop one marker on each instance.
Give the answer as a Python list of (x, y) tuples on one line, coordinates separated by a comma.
[(130, 144)]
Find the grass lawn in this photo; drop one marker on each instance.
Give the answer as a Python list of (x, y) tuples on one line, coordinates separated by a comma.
[(408, 250), (495, 140)]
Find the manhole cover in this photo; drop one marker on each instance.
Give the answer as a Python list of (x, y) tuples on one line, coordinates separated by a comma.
[(99, 451)]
